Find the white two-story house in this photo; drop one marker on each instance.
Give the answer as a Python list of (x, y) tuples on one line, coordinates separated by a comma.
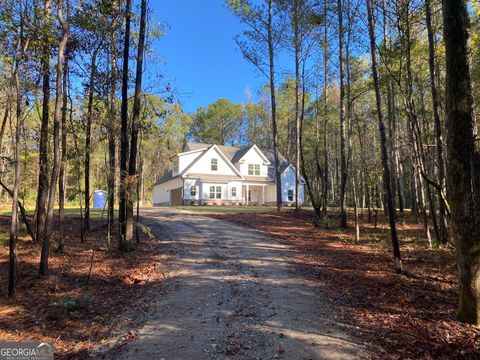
[(209, 174)]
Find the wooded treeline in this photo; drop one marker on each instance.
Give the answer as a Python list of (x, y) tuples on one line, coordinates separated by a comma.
[(376, 109), (76, 117), (372, 110)]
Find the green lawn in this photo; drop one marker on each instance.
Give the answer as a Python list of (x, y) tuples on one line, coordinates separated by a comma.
[(212, 209), (69, 211)]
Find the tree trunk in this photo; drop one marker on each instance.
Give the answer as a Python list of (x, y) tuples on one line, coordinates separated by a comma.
[(123, 245), (383, 143), (416, 136), (56, 143), (12, 257), (132, 166), (438, 125), (463, 154), (365, 168), (351, 164), (343, 160), (273, 105), (88, 137), (43, 145), (63, 162), (112, 131), (325, 112), (6, 116), (390, 109), (296, 42)]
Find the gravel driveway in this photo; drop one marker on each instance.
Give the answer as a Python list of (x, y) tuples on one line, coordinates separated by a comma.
[(232, 294)]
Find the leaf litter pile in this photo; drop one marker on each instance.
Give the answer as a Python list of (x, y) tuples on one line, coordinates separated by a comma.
[(70, 308), (396, 316)]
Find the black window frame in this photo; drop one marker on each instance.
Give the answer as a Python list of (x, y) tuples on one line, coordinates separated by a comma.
[(214, 164), (290, 195)]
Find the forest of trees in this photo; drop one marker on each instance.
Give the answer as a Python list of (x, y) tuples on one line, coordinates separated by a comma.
[(376, 111)]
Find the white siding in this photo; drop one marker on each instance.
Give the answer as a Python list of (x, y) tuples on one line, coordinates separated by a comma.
[(161, 192), (187, 159), (252, 157), (206, 191), (187, 184), (203, 165), (288, 183), (271, 193), (238, 186)]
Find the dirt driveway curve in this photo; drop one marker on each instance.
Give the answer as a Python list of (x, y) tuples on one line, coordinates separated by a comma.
[(232, 294)]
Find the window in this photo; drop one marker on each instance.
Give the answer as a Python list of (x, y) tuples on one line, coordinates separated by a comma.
[(193, 191), (254, 169), (175, 166), (234, 192), (214, 164), (290, 195), (215, 192)]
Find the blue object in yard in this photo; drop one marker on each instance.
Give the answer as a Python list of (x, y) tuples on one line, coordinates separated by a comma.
[(99, 199)]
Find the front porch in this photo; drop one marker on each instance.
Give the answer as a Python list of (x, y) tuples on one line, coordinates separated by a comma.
[(254, 194)]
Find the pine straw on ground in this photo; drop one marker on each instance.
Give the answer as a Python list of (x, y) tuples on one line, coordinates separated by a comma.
[(69, 308), (397, 316)]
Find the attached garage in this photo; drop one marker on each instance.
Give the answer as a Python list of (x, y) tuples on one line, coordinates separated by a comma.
[(166, 190), (176, 198)]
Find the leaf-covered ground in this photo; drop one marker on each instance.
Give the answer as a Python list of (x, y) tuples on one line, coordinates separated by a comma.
[(397, 316), (67, 308)]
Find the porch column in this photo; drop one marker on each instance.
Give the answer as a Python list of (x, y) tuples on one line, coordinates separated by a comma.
[(246, 197), (263, 194)]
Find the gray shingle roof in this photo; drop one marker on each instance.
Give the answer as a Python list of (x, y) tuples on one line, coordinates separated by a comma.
[(228, 151), (271, 168), (189, 146), (168, 176), (234, 154), (240, 153)]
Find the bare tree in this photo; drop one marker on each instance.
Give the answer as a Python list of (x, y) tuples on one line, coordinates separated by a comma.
[(383, 143), (132, 166), (63, 161), (325, 111), (88, 135), (343, 158), (265, 37), (42, 193), (123, 245), (56, 141), (112, 127), (438, 124), (22, 46)]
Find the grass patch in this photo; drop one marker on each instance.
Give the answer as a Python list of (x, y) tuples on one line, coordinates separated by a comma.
[(212, 209), (4, 239), (70, 211)]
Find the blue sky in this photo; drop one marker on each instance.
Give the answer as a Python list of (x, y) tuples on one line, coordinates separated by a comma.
[(201, 58)]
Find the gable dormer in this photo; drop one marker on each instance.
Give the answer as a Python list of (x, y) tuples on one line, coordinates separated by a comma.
[(251, 162), (213, 162)]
